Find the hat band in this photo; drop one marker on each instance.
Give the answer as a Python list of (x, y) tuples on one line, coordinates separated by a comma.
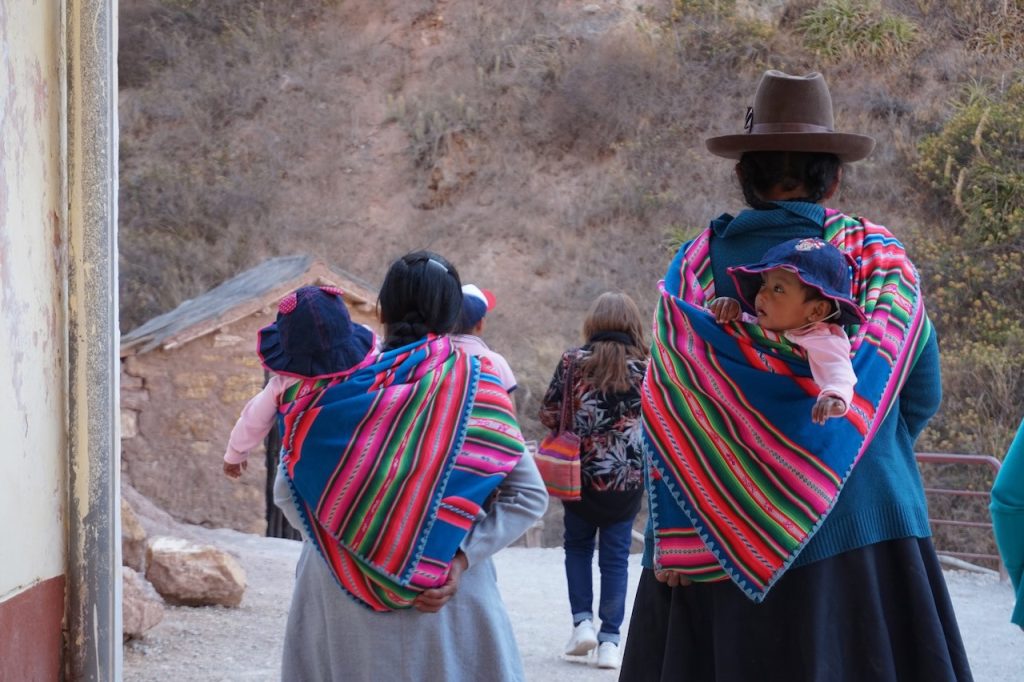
[(763, 128)]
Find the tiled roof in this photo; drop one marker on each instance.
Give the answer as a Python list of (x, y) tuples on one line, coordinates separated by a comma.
[(241, 295)]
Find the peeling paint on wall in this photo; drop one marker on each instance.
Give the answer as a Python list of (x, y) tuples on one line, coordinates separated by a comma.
[(32, 262)]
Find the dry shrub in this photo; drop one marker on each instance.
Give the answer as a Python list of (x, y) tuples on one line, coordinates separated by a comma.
[(982, 24), (840, 29), (630, 103), (431, 122), (514, 38), (606, 94), (196, 182), (156, 34), (1001, 34), (518, 55), (713, 8)]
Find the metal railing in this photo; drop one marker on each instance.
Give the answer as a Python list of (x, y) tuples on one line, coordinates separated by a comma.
[(969, 460)]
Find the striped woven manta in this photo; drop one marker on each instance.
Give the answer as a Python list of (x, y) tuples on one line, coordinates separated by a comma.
[(391, 464), (740, 478)]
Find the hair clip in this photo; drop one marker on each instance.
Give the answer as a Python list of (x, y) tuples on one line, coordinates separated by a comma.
[(333, 291), (288, 303), (430, 261), (438, 263)]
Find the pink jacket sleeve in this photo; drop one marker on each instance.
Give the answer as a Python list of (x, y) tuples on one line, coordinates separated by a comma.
[(828, 352), (256, 420)]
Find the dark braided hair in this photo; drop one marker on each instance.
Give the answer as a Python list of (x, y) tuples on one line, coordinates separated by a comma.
[(421, 295), (762, 171)]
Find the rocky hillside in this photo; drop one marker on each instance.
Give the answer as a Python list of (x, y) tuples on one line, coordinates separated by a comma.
[(552, 150)]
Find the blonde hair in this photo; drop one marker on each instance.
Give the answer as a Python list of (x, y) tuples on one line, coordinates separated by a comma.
[(607, 367)]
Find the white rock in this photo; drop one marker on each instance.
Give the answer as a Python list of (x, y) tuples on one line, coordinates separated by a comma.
[(194, 575)]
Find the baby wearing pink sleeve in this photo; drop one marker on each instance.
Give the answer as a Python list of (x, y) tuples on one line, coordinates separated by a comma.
[(254, 423), (828, 353), (801, 289)]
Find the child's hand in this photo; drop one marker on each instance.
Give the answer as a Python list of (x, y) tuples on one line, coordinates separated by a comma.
[(672, 578), (725, 309), (828, 406), (234, 470)]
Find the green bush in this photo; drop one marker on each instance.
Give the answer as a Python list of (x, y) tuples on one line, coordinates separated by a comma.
[(975, 167), (974, 170), (837, 29)]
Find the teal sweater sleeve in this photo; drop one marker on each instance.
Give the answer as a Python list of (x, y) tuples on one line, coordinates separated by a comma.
[(1008, 518), (922, 394)]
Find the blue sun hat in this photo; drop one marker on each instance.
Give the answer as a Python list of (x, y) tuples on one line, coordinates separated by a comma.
[(313, 336), (817, 263)]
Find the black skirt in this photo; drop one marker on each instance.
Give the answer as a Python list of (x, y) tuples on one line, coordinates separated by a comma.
[(880, 613)]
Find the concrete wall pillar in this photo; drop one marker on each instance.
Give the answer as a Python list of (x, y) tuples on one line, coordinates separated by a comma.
[(94, 597)]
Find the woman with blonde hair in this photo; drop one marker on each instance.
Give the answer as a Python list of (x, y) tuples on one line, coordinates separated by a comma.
[(605, 376)]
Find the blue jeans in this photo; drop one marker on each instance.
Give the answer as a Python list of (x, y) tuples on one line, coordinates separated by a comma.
[(613, 561)]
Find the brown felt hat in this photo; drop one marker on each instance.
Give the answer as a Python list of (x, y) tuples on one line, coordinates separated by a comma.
[(791, 114)]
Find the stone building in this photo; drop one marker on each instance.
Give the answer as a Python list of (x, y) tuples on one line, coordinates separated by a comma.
[(185, 377)]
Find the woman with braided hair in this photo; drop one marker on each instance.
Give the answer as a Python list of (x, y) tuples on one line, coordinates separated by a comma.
[(405, 476)]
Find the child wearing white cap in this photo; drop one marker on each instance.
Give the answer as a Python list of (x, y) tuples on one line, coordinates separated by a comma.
[(476, 303)]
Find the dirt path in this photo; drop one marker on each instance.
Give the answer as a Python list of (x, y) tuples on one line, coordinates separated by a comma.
[(220, 645)]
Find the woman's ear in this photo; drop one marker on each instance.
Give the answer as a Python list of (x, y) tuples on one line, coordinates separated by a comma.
[(834, 187)]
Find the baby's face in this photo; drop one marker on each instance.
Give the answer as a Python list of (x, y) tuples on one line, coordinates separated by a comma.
[(781, 303)]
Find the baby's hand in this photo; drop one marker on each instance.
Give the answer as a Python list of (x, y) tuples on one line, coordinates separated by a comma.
[(828, 406), (234, 470), (725, 309)]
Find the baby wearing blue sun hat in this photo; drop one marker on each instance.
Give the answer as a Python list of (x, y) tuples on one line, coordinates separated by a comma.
[(312, 338), (801, 289)]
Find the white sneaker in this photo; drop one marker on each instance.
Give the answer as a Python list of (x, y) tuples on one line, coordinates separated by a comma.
[(583, 639), (608, 655)]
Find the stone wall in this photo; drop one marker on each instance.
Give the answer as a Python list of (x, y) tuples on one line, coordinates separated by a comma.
[(177, 410)]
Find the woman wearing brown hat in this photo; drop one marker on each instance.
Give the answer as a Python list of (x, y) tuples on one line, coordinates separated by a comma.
[(780, 549)]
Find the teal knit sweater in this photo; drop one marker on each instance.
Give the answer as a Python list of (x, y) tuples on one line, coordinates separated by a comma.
[(1008, 519), (883, 498)]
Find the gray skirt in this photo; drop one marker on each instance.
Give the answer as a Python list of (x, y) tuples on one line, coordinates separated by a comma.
[(331, 636)]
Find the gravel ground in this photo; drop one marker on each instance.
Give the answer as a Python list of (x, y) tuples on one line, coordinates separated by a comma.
[(216, 644)]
